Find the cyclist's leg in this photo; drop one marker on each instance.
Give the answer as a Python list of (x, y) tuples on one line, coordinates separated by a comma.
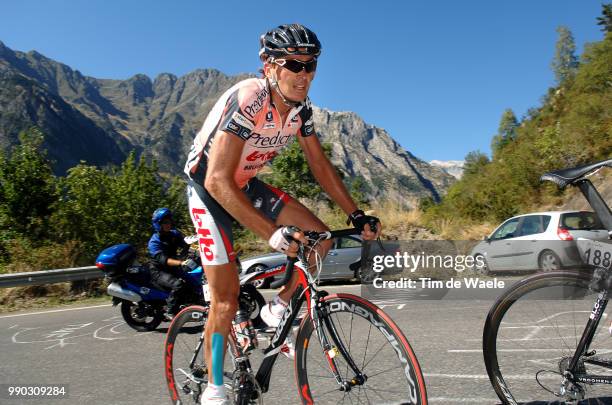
[(294, 213), (213, 226), (281, 208), (224, 289)]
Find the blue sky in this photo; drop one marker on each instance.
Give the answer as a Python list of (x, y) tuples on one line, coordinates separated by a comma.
[(436, 75)]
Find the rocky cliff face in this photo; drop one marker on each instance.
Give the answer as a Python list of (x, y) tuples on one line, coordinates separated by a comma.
[(360, 149), (100, 120)]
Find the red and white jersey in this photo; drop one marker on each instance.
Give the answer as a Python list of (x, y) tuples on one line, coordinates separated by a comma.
[(246, 110)]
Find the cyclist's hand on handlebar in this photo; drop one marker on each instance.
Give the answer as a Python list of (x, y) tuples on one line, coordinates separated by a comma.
[(369, 226), (283, 240), (368, 234)]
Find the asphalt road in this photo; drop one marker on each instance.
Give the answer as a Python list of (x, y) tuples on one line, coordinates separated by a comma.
[(100, 360)]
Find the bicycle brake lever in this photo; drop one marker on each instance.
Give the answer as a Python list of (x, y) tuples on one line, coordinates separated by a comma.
[(288, 231)]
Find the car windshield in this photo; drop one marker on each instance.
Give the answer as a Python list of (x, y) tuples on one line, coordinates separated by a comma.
[(506, 230), (580, 221)]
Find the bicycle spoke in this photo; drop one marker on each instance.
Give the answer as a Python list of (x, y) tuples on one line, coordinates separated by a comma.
[(383, 390), (382, 346), (358, 397), (386, 371), (365, 392), (376, 392)]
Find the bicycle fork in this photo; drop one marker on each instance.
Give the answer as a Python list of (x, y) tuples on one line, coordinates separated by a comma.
[(320, 319)]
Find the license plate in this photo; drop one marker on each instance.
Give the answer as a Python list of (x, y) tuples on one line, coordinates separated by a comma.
[(595, 253), (206, 291)]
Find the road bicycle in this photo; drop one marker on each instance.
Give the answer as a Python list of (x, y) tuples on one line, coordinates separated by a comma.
[(347, 350), (546, 339)]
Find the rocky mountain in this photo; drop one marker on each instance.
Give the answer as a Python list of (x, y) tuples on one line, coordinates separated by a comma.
[(452, 167), (100, 121)]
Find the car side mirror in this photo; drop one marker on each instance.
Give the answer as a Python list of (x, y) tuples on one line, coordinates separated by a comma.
[(486, 238)]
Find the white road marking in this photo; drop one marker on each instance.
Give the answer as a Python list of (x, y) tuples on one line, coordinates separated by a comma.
[(55, 310)]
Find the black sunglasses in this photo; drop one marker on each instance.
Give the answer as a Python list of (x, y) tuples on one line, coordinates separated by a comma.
[(296, 65)]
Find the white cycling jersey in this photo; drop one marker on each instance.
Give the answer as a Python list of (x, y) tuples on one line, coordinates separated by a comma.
[(246, 110)]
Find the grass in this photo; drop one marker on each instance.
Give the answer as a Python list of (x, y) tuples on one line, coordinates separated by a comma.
[(52, 295)]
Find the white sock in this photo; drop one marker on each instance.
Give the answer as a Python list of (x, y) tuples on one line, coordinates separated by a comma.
[(215, 391), (278, 306)]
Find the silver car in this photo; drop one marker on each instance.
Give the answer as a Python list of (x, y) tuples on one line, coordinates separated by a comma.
[(344, 252), (541, 240)]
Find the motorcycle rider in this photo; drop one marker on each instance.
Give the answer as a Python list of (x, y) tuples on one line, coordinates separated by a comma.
[(166, 247)]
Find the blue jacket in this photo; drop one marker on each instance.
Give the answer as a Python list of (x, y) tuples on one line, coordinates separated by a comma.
[(161, 247)]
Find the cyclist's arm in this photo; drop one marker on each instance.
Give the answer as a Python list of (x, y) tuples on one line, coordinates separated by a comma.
[(325, 173), (223, 159)]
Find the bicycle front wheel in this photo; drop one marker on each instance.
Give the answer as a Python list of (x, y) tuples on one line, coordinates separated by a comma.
[(376, 345), (531, 335)]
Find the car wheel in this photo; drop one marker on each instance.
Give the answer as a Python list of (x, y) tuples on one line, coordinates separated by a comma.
[(264, 283), (481, 269), (549, 261)]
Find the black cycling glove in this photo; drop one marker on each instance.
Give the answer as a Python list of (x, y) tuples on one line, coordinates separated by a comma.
[(359, 219)]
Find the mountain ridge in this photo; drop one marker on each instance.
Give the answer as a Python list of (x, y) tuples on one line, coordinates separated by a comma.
[(159, 117)]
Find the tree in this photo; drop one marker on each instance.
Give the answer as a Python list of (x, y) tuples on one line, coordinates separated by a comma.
[(100, 208), (176, 200), (506, 132), (137, 191), (565, 62), (474, 162), (291, 173), (27, 188), (606, 18), (359, 189)]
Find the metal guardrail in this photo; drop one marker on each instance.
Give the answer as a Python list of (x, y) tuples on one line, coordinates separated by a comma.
[(50, 276)]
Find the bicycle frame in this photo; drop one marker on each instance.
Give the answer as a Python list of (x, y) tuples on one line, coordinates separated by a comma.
[(605, 215), (306, 291), (585, 341)]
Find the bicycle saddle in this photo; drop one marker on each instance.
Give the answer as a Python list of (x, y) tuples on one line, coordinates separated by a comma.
[(569, 176)]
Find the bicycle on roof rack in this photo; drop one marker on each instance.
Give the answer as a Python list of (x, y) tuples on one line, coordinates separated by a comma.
[(346, 349), (545, 339)]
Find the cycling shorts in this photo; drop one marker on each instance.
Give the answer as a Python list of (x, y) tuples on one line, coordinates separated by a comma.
[(213, 224)]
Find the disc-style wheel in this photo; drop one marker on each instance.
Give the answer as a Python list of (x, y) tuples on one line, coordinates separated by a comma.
[(389, 370)]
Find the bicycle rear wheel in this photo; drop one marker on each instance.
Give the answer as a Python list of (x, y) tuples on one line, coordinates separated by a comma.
[(531, 334), (184, 363), (378, 348)]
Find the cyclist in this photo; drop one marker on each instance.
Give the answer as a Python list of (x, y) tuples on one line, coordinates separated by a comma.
[(165, 247), (245, 129)]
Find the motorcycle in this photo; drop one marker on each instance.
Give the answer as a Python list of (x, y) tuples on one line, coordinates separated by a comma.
[(143, 303)]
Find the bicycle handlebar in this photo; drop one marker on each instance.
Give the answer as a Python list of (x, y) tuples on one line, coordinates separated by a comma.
[(311, 235)]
